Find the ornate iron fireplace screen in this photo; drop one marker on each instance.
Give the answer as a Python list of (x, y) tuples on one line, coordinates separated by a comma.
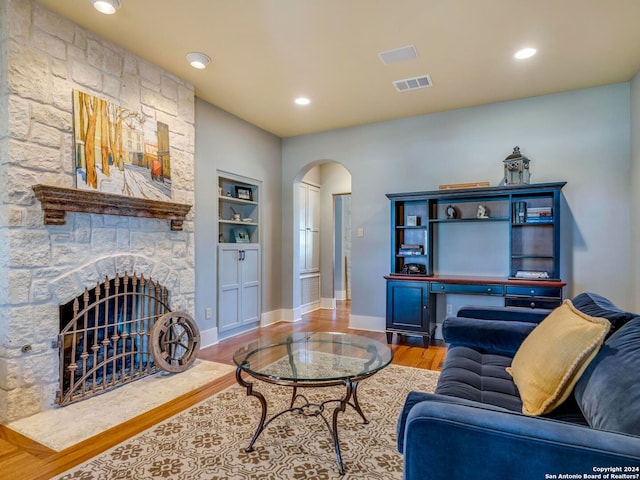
[(118, 332)]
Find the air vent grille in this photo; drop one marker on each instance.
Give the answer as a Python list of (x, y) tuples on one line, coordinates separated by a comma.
[(398, 55), (412, 83)]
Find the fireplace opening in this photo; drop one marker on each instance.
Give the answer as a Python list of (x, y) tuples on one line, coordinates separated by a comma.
[(106, 335)]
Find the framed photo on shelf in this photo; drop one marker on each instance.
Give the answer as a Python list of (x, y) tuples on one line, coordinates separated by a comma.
[(412, 221), (244, 193), (241, 235)]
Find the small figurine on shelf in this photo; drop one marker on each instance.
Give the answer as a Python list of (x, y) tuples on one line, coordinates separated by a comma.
[(451, 212), (482, 212)]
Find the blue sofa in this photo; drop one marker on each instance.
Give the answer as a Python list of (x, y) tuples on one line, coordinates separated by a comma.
[(472, 427)]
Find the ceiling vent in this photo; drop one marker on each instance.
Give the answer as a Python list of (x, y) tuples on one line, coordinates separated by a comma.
[(412, 83), (398, 55)]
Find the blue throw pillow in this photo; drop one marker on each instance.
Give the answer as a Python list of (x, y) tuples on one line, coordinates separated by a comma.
[(608, 392), (599, 306)]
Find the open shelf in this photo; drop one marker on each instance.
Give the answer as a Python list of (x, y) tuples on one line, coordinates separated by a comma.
[(230, 189), (454, 220), (530, 239), (239, 201)]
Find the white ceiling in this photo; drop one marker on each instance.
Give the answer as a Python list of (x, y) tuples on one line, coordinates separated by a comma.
[(267, 52)]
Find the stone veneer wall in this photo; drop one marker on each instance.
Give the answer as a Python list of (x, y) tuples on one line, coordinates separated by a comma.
[(43, 58)]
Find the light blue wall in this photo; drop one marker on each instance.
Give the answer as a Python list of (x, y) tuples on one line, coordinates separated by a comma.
[(579, 136), (635, 189), (224, 142)]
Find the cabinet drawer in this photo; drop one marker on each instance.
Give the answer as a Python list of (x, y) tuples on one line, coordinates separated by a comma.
[(467, 288), (548, 303), (533, 291)]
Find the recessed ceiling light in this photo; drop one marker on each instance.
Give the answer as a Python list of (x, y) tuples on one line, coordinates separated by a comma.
[(108, 7), (525, 53), (302, 101), (198, 60)]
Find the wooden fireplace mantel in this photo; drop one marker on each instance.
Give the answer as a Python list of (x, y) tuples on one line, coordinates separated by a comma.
[(57, 201)]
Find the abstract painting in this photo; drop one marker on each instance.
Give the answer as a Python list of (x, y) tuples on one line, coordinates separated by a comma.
[(119, 151)]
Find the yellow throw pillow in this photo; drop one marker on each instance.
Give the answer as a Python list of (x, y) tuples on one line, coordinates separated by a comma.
[(553, 357)]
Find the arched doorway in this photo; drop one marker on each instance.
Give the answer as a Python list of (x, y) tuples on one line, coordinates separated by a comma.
[(316, 188)]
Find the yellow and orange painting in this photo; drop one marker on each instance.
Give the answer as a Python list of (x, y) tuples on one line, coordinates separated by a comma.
[(119, 151)]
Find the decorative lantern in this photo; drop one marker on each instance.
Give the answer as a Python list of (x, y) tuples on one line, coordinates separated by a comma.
[(516, 168)]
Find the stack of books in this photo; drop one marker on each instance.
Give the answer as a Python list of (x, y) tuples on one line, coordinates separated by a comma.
[(539, 214), (407, 249), (523, 214), (519, 213)]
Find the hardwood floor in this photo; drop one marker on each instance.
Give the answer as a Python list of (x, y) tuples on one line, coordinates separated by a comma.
[(23, 459)]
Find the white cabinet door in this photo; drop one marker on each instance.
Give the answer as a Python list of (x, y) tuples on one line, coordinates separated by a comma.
[(313, 208), (250, 289), (313, 253), (238, 285), (309, 228), (303, 251), (228, 287), (302, 201)]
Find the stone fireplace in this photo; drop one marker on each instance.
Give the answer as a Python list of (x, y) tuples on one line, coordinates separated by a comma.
[(45, 57)]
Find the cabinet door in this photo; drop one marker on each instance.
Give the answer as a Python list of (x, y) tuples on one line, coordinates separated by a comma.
[(408, 306), (303, 262), (302, 201), (309, 251), (313, 209), (309, 228), (250, 286), (313, 250), (229, 291)]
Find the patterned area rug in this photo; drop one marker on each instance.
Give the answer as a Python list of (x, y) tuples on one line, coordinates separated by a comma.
[(207, 441)]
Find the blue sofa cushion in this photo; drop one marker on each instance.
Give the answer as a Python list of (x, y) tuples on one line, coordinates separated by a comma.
[(518, 314), (415, 398), (481, 377), (608, 393), (599, 306), (495, 336)]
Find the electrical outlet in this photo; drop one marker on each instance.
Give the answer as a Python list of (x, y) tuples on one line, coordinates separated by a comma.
[(449, 309), (360, 232), (208, 312)]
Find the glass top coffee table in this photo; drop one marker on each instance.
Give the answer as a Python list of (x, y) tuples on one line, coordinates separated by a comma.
[(311, 359)]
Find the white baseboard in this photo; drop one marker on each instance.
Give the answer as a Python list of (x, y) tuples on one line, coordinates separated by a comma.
[(275, 316), (363, 322), (309, 307), (208, 337), (328, 303), (340, 294), (283, 315)]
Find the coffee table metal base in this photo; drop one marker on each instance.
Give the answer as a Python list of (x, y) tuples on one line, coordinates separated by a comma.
[(308, 409)]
